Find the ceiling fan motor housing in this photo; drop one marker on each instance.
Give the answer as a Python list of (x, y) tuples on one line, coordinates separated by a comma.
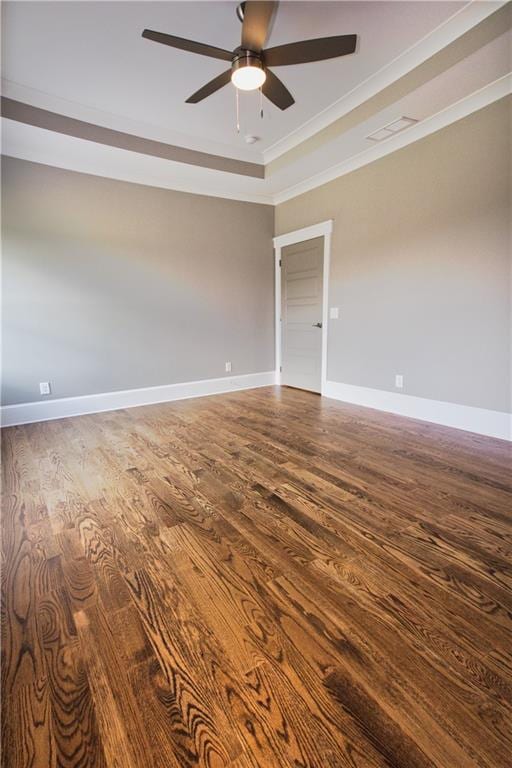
[(243, 58)]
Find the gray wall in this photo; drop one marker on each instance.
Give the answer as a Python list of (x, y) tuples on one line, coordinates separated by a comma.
[(421, 264), (109, 285)]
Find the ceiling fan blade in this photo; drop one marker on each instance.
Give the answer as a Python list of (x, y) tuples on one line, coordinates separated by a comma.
[(188, 45), (276, 91), (214, 85), (256, 24), (310, 50)]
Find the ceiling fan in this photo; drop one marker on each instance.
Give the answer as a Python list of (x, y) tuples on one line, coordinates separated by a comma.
[(250, 62)]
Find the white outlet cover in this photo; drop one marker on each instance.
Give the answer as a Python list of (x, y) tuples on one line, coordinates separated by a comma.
[(44, 388), (228, 367), (399, 381), (334, 313)]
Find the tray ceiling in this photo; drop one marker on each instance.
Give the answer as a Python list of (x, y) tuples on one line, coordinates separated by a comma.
[(88, 60)]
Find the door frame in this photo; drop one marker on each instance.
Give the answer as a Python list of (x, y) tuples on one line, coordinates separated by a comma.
[(323, 229)]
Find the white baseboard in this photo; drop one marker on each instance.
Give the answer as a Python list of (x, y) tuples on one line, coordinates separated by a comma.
[(468, 418), (45, 410), (479, 420)]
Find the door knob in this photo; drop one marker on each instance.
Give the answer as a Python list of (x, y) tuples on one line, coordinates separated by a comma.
[(317, 325)]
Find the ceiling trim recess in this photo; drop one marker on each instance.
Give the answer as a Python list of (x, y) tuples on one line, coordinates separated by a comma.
[(116, 122), (461, 22), (478, 100), (69, 126), (448, 58), (30, 114), (39, 145), (42, 146)]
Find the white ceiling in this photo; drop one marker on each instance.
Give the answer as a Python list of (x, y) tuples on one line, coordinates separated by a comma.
[(88, 60)]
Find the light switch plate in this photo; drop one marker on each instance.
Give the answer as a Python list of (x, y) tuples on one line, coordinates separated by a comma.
[(334, 313)]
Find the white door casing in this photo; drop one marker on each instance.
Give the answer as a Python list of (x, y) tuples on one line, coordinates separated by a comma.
[(323, 229)]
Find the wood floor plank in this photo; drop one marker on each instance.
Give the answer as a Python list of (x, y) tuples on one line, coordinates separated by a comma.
[(27, 734), (200, 729), (73, 716), (120, 725), (22, 655), (262, 579)]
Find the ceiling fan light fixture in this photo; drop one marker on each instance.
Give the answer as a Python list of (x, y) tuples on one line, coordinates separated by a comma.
[(252, 65), (248, 78), (248, 73)]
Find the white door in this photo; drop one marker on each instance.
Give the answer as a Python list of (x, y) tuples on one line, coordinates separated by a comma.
[(301, 314)]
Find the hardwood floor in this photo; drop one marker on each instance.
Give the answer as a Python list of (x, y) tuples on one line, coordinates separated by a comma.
[(255, 579)]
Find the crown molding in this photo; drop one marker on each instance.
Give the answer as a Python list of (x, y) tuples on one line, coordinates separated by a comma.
[(39, 145), (460, 109), (75, 110), (461, 22), (53, 121)]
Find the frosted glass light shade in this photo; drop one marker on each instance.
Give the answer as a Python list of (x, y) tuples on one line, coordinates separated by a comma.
[(248, 78)]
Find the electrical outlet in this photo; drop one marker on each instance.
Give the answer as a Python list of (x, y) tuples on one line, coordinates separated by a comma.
[(334, 313), (228, 367), (44, 388), (399, 381)]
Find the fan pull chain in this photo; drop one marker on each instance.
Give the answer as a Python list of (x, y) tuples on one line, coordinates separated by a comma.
[(237, 112), (261, 103)]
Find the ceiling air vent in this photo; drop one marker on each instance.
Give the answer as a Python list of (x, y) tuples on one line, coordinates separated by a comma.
[(400, 124)]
